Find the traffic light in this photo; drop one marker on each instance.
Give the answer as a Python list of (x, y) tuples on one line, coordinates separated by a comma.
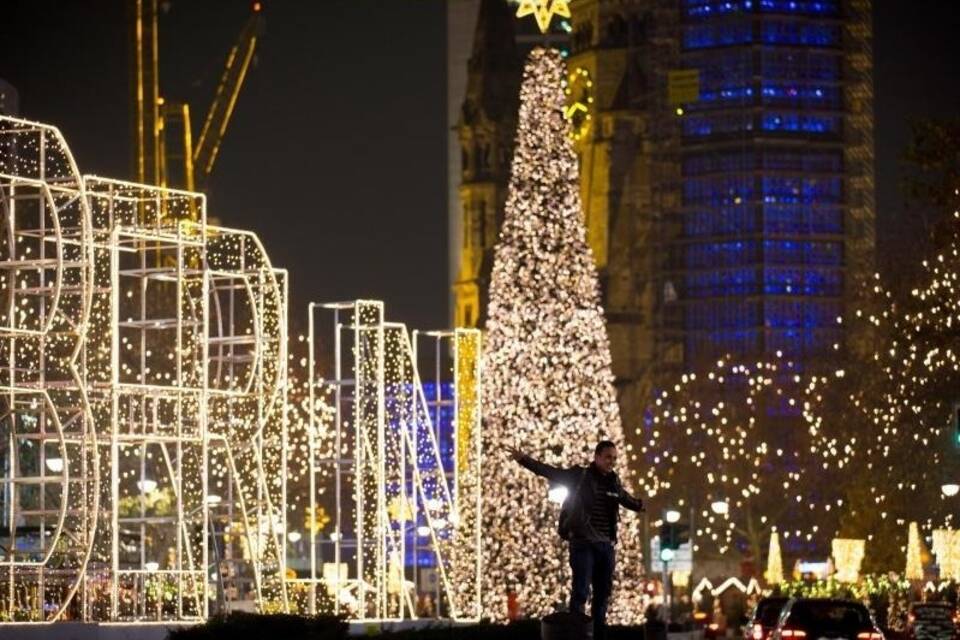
[(956, 424), (673, 534)]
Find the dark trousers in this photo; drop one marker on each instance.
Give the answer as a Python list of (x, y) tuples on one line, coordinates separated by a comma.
[(592, 564)]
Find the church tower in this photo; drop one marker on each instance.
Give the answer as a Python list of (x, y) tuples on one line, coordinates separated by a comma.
[(486, 130), (626, 178)]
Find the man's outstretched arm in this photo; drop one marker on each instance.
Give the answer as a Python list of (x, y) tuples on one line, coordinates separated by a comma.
[(627, 500), (551, 473)]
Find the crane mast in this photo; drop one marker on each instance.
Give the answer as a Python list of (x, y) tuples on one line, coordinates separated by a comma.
[(164, 152)]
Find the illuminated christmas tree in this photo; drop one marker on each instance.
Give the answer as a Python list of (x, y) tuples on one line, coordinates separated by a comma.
[(774, 574), (548, 385)]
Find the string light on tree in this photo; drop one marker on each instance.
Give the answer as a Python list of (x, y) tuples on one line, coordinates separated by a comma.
[(744, 442), (901, 403)]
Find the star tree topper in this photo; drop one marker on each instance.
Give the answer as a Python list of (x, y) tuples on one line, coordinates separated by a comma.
[(543, 11)]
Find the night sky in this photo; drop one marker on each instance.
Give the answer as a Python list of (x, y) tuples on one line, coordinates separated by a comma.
[(335, 154)]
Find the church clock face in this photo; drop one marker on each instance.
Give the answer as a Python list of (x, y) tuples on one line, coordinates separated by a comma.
[(579, 109)]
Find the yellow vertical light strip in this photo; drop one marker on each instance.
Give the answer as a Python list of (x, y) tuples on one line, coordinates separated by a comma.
[(188, 154)]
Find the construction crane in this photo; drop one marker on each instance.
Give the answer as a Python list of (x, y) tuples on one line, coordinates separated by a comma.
[(164, 152)]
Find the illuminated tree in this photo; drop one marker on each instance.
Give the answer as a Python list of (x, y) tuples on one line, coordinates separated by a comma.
[(548, 385), (897, 412), (742, 445)]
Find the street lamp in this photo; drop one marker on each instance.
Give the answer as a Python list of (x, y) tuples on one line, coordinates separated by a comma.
[(55, 464), (950, 489), (720, 507), (557, 494), (147, 485), (672, 515)]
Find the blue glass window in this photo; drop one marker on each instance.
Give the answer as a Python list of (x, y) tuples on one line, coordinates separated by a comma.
[(722, 254), (800, 94), (802, 282), (801, 313), (800, 33), (718, 190), (713, 124), (718, 283), (724, 314), (799, 65), (792, 160), (792, 121), (815, 7), (735, 220), (719, 343), (711, 8), (795, 189), (717, 35), (802, 218), (802, 252)]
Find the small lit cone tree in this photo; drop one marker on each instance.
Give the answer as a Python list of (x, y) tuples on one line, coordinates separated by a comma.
[(548, 385), (774, 573), (914, 569)]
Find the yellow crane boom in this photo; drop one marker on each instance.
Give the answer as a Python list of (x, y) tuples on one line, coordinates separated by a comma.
[(218, 117)]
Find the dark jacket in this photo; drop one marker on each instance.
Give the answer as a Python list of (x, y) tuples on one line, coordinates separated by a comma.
[(580, 505)]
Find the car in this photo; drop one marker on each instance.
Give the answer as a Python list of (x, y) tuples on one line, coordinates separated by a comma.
[(931, 621), (764, 618), (825, 619)]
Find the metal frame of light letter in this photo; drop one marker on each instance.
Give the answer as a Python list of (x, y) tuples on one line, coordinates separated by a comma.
[(386, 468), (48, 454)]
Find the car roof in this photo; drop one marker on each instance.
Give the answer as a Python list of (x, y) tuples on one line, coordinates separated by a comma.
[(834, 600)]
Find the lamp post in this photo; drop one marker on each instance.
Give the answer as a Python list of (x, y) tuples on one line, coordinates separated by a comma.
[(950, 489)]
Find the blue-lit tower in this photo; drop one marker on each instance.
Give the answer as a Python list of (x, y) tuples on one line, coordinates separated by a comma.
[(775, 226)]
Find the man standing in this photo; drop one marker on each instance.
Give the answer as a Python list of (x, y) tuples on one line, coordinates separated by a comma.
[(589, 521)]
